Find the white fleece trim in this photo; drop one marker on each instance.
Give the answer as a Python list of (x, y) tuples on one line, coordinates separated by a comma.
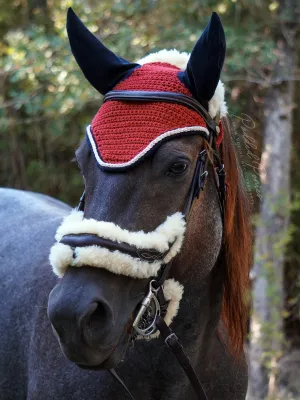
[(146, 149), (62, 256), (173, 57), (173, 292), (217, 104), (172, 229)]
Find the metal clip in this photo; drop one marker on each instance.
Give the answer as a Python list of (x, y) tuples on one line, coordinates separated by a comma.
[(146, 303)]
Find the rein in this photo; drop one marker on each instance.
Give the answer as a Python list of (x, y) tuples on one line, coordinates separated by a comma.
[(155, 300)]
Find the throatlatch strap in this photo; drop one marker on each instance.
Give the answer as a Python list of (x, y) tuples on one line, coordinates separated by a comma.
[(80, 206), (116, 376), (172, 341)]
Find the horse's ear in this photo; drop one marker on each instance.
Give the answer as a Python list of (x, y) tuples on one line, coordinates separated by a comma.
[(101, 67), (204, 68)]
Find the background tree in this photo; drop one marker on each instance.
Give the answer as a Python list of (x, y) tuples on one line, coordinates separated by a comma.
[(273, 230)]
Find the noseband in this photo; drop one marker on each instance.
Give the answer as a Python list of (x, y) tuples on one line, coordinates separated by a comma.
[(150, 316)]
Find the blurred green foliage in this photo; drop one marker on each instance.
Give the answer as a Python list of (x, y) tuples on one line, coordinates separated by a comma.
[(46, 102)]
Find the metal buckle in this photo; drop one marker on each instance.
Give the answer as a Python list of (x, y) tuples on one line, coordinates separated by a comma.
[(150, 299), (202, 174), (169, 337), (202, 180), (221, 169)]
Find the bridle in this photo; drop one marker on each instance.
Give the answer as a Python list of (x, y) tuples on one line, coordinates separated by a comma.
[(150, 316)]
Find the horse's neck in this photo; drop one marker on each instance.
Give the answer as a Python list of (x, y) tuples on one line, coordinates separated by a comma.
[(153, 364), (199, 312)]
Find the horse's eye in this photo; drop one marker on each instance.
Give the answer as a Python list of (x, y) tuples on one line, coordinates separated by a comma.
[(177, 168)]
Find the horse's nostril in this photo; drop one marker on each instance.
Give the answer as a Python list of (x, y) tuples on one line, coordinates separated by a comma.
[(96, 323)]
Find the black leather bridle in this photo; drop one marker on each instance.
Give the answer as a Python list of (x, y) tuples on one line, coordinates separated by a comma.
[(155, 293)]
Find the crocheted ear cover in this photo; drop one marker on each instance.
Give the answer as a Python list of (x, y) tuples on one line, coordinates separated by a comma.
[(122, 133)]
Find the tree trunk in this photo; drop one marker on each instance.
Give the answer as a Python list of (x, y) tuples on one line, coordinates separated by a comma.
[(272, 233)]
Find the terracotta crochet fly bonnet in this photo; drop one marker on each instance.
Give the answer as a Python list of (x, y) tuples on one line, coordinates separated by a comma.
[(122, 133)]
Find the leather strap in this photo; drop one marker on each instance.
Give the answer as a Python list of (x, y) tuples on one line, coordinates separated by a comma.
[(221, 175), (116, 376), (168, 97), (85, 239), (81, 203), (172, 341), (198, 181), (197, 185)]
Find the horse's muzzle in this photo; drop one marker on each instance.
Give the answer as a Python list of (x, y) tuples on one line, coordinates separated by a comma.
[(91, 313)]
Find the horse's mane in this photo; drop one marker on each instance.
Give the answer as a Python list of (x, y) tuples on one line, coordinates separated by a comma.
[(236, 257), (237, 254)]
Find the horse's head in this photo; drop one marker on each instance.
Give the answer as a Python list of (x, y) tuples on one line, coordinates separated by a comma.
[(141, 211)]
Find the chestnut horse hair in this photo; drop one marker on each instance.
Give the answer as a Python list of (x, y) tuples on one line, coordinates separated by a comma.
[(237, 252)]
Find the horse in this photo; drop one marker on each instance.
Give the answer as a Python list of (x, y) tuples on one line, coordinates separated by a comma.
[(156, 245)]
